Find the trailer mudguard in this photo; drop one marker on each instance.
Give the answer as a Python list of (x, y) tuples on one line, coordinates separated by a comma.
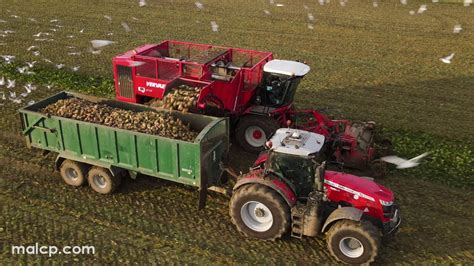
[(344, 213), (275, 184)]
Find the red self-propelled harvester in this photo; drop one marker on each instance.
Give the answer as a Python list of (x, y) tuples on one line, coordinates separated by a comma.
[(248, 86)]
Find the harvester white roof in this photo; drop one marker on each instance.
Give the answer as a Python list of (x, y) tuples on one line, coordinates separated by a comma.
[(286, 67)]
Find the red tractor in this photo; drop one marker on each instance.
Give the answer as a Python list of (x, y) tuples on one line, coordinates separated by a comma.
[(292, 191), (248, 86)]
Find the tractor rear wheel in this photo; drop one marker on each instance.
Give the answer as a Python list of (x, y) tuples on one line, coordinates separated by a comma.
[(260, 212), (102, 181), (353, 242), (252, 132), (73, 173)]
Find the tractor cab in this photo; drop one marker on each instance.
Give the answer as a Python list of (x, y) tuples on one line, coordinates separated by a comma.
[(292, 156), (280, 81)]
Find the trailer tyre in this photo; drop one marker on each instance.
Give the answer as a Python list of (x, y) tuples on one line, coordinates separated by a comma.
[(73, 173), (353, 242), (252, 132), (260, 212), (102, 181)]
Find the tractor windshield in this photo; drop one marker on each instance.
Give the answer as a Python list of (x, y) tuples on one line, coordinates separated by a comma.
[(278, 90), (299, 170)]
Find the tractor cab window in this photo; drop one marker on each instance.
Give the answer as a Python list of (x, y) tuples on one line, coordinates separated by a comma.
[(299, 170), (278, 90)]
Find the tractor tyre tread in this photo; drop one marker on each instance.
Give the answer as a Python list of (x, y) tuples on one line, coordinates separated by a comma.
[(267, 194)]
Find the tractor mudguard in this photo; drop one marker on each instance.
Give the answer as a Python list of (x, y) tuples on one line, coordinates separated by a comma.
[(348, 213), (277, 185)]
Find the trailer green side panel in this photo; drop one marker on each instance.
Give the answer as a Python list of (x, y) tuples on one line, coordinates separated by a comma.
[(175, 160)]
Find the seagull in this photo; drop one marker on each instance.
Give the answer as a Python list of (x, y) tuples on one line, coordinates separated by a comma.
[(15, 16), (435, 1), (279, 5), (36, 53), (15, 100), (31, 102), (110, 34), (24, 94), (108, 18), (412, 12), (422, 9), (266, 12), (305, 7), (3, 21), (8, 58), (74, 53), (38, 34), (199, 5), (310, 16), (134, 18), (8, 31), (214, 26), (141, 3), (54, 20), (12, 94), (11, 84), (457, 28), (467, 2), (447, 59), (22, 69), (403, 163), (310, 26), (31, 65), (70, 36), (403, 2), (375, 4), (126, 27), (321, 2), (31, 48), (76, 68), (71, 47), (2, 81), (29, 88), (93, 51), (53, 29), (81, 31), (47, 60), (97, 44), (3, 95), (342, 3), (32, 20), (59, 66)]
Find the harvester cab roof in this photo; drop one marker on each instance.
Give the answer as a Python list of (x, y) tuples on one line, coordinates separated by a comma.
[(286, 67), (296, 142)]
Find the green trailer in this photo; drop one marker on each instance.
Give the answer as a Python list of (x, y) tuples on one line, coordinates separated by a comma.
[(102, 155)]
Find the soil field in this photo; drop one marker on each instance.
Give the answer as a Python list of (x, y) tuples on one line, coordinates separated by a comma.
[(378, 63)]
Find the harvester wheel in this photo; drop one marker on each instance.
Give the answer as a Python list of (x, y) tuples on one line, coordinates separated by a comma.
[(353, 242), (252, 132), (102, 181), (73, 173), (260, 212)]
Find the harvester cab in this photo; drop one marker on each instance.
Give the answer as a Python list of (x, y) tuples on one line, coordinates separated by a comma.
[(280, 81)]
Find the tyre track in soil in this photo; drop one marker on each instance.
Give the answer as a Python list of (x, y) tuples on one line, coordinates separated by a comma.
[(39, 189)]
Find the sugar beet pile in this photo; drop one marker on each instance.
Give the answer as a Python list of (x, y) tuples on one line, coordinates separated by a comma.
[(181, 99), (156, 123)]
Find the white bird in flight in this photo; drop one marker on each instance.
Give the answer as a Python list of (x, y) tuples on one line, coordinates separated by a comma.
[(403, 2), (11, 84), (97, 44), (403, 163), (214, 26), (142, 3), (199, 5), (457, 28), (126, 27), (447, 59), (422, 9)]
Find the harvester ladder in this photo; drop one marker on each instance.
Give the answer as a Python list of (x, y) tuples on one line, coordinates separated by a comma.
[(297, 225)]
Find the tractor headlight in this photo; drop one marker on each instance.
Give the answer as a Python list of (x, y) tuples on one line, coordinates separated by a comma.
[(386, 203)]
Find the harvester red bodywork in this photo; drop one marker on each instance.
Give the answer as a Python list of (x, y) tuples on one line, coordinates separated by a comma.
[(230, 80)]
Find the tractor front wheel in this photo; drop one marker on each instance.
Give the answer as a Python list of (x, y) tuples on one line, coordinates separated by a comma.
[(252, 132), (260, 212), (353, 242)]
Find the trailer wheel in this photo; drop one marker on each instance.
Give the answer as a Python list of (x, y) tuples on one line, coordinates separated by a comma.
[(260, 212), (252, 132), (353, 242), (102, 181), (73, 173)]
